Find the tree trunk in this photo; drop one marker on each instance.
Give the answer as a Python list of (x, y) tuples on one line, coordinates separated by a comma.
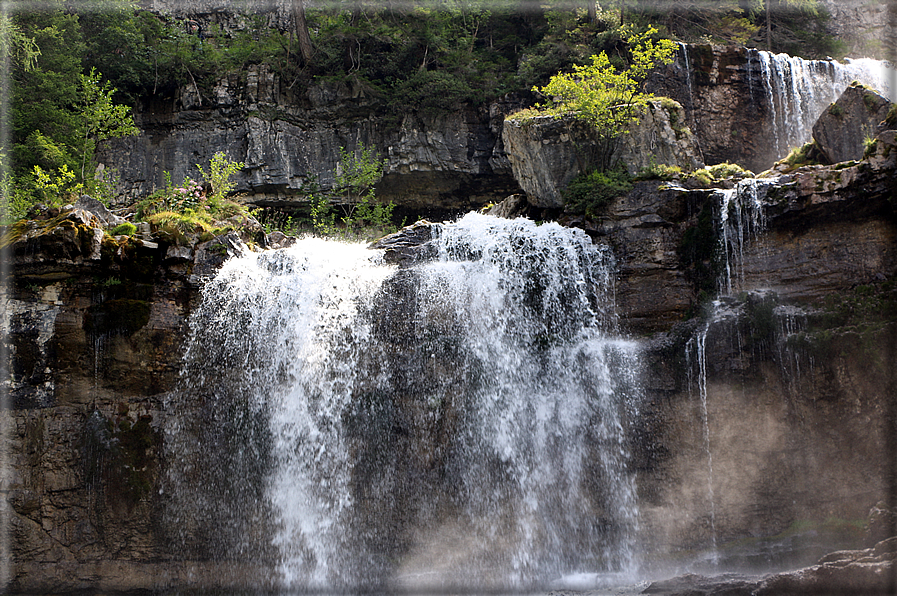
[(593, 11), (768, 27), (305, 47)]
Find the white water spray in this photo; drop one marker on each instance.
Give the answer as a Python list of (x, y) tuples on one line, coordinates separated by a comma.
[(365, 410)]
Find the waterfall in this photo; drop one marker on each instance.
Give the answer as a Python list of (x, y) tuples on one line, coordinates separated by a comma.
[(741, 219), (459, 422), (798, 91), (688, 77)]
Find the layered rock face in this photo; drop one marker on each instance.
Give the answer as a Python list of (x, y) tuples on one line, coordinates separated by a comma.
[(289, 138), (94, 326)]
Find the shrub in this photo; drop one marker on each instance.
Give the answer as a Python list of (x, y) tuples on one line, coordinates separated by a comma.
[(591, 193), (658, 172), (724, 170)]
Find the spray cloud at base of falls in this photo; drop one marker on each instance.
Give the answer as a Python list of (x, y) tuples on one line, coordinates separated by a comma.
[(461, 421)]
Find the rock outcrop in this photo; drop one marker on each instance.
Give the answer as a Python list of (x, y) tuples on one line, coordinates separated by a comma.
[(841, 130), (546, 153)]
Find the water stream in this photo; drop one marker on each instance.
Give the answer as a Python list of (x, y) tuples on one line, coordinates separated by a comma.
[(458, 423)]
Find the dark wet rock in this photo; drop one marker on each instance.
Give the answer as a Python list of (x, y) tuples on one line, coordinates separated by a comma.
[(513, 206), (210, 255), (841, 130), (699, 585), (278, 239), (409, 245)]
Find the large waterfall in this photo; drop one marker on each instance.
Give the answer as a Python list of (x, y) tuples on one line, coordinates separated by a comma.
[(461, 422)]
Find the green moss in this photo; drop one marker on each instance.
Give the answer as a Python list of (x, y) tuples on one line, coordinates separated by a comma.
[(659, 172), (891, 118), (835, 110), (118, 456), (698, 252), (12, 234), (124, 229)]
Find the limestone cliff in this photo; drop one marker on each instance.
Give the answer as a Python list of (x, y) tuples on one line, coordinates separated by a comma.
[(785, 427)]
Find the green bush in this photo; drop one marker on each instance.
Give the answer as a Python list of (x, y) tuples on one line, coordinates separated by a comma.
[(124, 229), (591, 193), (659, 172)]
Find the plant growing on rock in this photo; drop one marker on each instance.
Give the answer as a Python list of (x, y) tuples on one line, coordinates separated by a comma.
[(194, 207), (353, 189), (608, 97)]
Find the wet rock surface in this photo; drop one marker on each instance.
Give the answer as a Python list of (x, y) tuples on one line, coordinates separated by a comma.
[(841, 130)]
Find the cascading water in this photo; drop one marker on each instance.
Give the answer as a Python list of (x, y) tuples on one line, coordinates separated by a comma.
[(797, 91), (458, 422), (741, 219)]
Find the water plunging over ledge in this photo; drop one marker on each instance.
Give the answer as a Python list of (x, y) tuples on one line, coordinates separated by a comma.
[(457, 423), (798, 90)]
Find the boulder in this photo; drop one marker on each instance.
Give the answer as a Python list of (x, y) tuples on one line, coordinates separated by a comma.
[(841, 130), (546, 153), (106, 217)]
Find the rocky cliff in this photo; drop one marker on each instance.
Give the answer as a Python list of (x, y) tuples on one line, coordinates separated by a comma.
[(763, 437), (436, 164)]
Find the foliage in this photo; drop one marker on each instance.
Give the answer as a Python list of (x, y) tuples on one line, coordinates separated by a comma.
[(805, 155), (591, 193), (891, 118), (103, 119), (180, 211), (55, 188), (272, 219), (14, 44), (870, 144), (356, 176), (708, 175), (659, 172), (698, 253), (608, 97), (219, 175), (46, 125), (124, 229), (176, 226)]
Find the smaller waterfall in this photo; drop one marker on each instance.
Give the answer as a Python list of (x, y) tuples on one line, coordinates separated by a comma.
[(688, 77), (696, 356), (741, 219), (798, 91)]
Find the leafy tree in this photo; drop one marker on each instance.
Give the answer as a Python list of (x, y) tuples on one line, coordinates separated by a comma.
[(46, 130), (103, 119), (15, 45), (353, 190), (219, 175), (606, 96)]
